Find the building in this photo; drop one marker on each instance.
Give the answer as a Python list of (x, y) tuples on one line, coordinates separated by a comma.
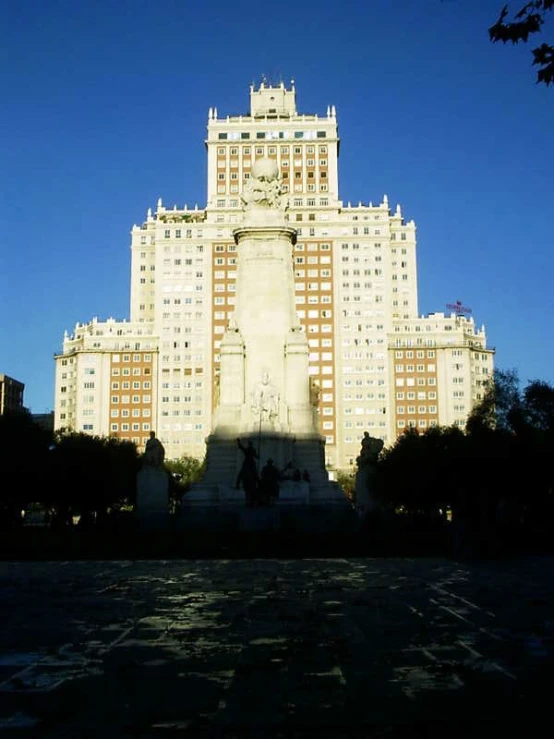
[(11, 395), (375, 364)]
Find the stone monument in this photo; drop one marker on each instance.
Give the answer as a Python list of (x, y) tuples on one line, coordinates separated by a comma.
[(365, 475), (152, 505), (264, 392)]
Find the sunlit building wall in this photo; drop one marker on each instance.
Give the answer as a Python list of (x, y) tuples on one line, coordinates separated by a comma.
[(11, 394), (356, 298)]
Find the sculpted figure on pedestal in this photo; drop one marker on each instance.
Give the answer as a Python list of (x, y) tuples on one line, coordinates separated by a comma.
[(263, 189), (370, 450), (154, 452), (265, 400), (365, 475)]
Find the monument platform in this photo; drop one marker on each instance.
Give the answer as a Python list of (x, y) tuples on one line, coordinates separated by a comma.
[(301, 507)]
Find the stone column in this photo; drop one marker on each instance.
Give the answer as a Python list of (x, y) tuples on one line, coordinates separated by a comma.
[(231, 398), (300, 412)]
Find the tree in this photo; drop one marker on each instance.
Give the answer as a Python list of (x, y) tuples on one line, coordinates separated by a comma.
[(189, 469), (90, 475), (183, 473), (514, 430), (347, 481), (499, 408), (528, 20), (421, 472), (24, 454)]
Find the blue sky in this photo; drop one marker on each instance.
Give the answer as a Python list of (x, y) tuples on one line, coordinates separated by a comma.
[(104, 109)]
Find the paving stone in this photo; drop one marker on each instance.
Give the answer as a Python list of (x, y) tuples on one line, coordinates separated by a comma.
[(275, 648)]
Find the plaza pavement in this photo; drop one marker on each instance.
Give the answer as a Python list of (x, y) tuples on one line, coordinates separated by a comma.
[(354, 647)]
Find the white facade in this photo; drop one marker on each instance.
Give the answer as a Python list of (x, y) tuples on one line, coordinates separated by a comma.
[(355, 277)]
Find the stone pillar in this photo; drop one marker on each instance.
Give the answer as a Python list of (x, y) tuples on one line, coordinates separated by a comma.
[(300, 412), (231, 393), (265, 309)]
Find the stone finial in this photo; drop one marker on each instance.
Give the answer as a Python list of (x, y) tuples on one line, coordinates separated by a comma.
[(159, 202)]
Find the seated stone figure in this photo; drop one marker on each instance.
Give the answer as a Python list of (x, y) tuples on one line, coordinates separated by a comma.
[(265, 400), (371, 447), (154, 452)]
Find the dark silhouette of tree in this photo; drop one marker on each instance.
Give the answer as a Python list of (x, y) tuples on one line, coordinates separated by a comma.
[(514, 430), (519, 26), (24, 451), (500, 404), (89, 475), (538, 407), (421, 472)]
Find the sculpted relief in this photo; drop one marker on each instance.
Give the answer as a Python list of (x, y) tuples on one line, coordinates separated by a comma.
[(263, 189), (265, 400)]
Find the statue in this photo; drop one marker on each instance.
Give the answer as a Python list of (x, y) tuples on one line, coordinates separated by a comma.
[(314, 393), (217, 389), (263, 189), (370, 450), (154, 452), (365, 475), (265, 399), (232, 325), (152, 503)]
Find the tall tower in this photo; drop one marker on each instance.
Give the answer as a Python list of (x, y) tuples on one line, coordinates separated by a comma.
[(305, 147)]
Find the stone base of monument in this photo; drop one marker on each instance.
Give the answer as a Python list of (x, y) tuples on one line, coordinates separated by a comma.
[(319, 506), (152, 505), (301, 507), (259, 519)]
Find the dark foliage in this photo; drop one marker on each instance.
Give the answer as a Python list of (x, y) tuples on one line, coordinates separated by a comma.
[(90, 475), (347, 481), (24, 451), (183, 473), (498, 476), (528, 20)]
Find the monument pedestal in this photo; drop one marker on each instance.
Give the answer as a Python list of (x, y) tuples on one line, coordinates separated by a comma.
[(265, 397), (259, 519), (152, 504)]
